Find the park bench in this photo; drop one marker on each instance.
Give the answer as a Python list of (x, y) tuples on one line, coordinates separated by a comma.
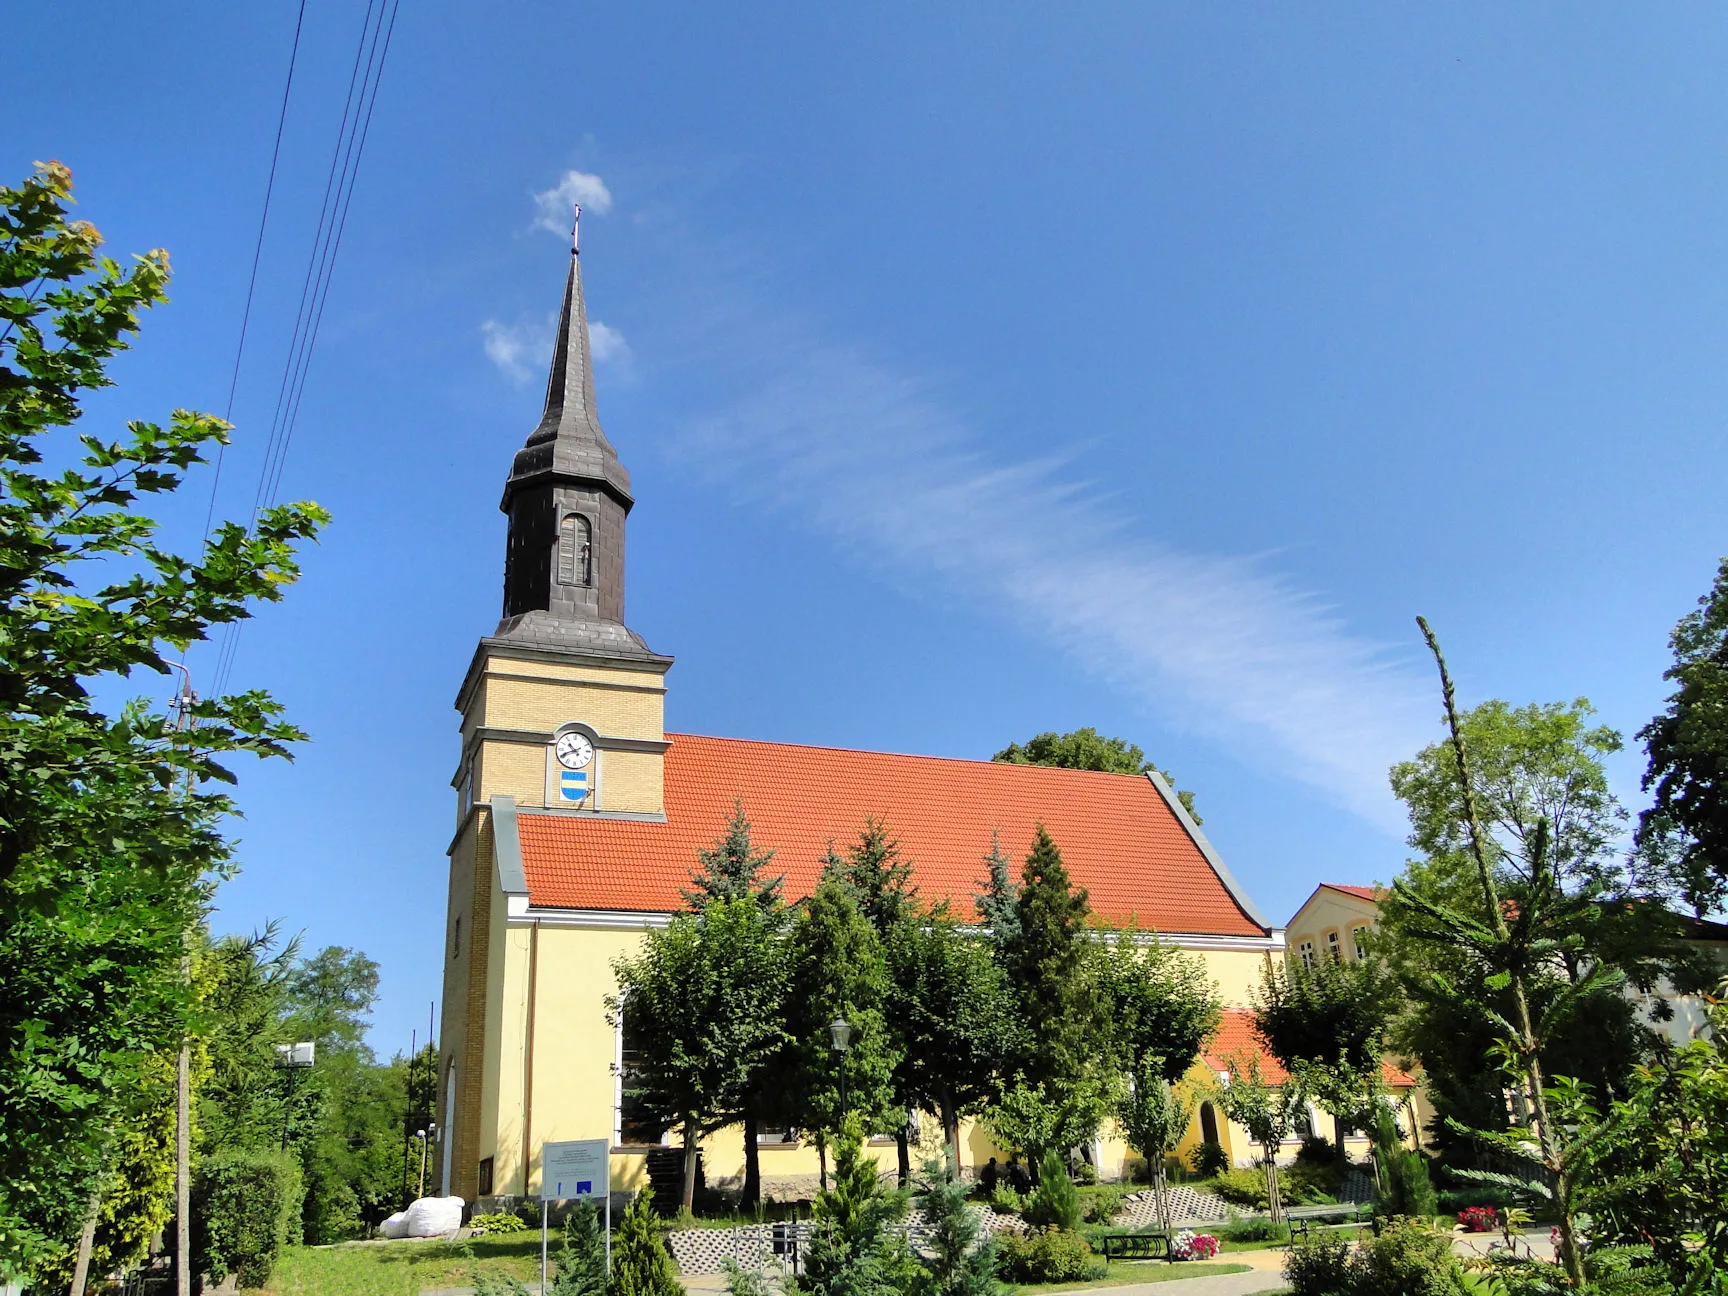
[(1302, 1219), (1136, 1246)]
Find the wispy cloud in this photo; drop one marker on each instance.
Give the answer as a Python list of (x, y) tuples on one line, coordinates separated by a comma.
[(523, 350), (554, 204), (1218, 643)]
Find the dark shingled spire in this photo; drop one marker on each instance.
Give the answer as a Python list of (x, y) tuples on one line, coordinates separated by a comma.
[(567, 496)]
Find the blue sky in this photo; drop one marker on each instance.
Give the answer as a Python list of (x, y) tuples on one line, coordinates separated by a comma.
[(981, 369)]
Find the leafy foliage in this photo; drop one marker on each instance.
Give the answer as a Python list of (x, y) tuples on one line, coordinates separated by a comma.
[(1029, 1118), (998, 898), (581, 1254), (1087, 749), (961, 1258), (1266, 1111), (1159, 1002), (1154, 1116), (245, 1209), (1685, 832), (853, 1250), (1407, 1189), (1049, 1255), (109, 832), (731, 869)]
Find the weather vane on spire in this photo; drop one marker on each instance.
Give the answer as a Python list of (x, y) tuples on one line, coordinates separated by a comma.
[(575, 224)]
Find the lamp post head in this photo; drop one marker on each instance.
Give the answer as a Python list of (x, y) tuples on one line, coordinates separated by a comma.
[(302, 1054), (840, 1031)]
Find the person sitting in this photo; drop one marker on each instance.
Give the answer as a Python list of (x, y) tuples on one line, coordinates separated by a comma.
[(1018, 1178), (988, 1176)]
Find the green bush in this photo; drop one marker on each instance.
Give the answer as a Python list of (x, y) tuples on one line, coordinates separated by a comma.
[(582, 1257), (1208, 1160), (511, 1223), (1320, 1266), (641, 1265), (1005, 1201), (1103, 1203), (1310, 1182), (1317, 1150), (245, 1206), (1259, 1229), (1054, 1203), (1045, 1256), (1242, 1187), (1408, 1258)]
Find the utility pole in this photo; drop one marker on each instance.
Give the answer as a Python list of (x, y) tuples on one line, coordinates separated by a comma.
[(183, 704)]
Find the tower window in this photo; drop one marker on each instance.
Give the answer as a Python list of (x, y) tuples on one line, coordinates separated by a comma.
[(575, 551)]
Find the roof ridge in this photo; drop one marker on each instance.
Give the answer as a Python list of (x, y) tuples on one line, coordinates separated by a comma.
[(918, 756)]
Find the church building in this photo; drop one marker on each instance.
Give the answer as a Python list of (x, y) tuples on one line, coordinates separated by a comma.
[(579, 818)]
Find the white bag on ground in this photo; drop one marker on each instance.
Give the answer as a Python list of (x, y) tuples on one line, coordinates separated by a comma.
[(395, 1226), (430, 1216)]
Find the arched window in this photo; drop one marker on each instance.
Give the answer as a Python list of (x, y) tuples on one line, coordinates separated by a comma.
[(1208, 1123), (1306, 951), (1334, 949), (575, 551), (1359, 938)]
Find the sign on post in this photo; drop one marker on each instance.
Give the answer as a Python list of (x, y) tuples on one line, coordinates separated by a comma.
[(576, 1169), (580, 1168)]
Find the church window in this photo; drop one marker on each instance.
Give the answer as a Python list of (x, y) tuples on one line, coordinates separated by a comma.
[(1334, 948), (1359, 939), (485, 1184), (1305, 951), (636, 1126), (1208, 1123), (575, 551), (456, 938)]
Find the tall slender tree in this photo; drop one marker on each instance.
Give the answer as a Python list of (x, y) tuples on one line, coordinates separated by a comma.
[(1048, 966), (998, 898)]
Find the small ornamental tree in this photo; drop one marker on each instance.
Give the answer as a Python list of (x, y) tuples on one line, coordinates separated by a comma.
[(1048, 966), (1267, 1112), (959, 1259), (998, 898), (854, 1250), (109, 830), (1154, 1115), (1159, 1001)]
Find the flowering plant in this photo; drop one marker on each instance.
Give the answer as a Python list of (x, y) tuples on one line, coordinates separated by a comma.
[(1478, 1219), (1188, 1245)]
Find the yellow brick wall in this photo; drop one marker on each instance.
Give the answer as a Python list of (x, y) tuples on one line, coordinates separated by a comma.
[(625, 707), (462, 1033)]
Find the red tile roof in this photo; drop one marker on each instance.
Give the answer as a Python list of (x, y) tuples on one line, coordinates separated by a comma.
[(1236, 1038), (1117, 836), (1361, 892)]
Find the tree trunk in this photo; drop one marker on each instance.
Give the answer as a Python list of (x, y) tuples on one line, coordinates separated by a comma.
[(86, 1241), (1338, 1133), (903, 1150), (690, 1164), (1274, 1204), (822, 1161), (1160, 1178), (752, 1193), (951, 1124)]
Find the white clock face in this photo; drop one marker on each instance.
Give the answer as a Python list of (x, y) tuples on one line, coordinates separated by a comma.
[(574, 750)]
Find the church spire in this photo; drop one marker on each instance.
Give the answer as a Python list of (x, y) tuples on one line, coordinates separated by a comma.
[(569, 441), (567, 497)]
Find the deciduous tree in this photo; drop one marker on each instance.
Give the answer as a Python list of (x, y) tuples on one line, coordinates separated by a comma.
[(1087, 749)]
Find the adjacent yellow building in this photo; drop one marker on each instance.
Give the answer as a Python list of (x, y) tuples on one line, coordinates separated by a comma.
[(579, 817)]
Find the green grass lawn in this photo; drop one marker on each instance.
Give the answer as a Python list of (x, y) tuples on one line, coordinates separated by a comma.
[(402, 1268), (1124, 1273)]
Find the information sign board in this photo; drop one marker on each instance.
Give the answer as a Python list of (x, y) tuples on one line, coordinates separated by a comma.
[(579, 1168)]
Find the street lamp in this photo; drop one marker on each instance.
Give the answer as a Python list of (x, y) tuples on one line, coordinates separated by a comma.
[(425, 1136), (293, 1058), (840, 1033)]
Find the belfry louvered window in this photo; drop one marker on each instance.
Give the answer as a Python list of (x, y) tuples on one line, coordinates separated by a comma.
[(575, 551)]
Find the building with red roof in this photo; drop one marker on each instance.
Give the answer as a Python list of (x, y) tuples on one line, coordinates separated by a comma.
[(579, 820)]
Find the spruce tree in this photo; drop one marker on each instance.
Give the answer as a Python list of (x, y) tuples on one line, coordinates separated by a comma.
[(998, 903), (961, 1259), (641, 1265), (582, 1257), (1059, 1000), (878, 877), (731, 869)]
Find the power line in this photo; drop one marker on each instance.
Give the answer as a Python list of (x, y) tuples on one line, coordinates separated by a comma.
[(257, 253), (370, 53)]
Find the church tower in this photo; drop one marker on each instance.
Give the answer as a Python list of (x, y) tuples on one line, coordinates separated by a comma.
[(562, 713)]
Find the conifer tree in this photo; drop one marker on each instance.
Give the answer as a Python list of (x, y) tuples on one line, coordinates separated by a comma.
[(1047, 964), (961, 1259), (854, 1251), (879, 878), (998, 901), (582, 1257), (641, 1265), (732, 868)]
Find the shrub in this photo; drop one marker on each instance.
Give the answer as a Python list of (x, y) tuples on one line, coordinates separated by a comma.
[(1054, 1203), (1045, 1256), (1259, 1229), (1005, 1201), (244, 1206), (1320, 1266), (1208, 1160), (1307, 1181), (641, 1265), (1242, 1187), (1103, 1203), (511, 1223), (582, 1257), (1409, 1258), (1087, 1173), (1479, 1219), (1409, 1191)]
